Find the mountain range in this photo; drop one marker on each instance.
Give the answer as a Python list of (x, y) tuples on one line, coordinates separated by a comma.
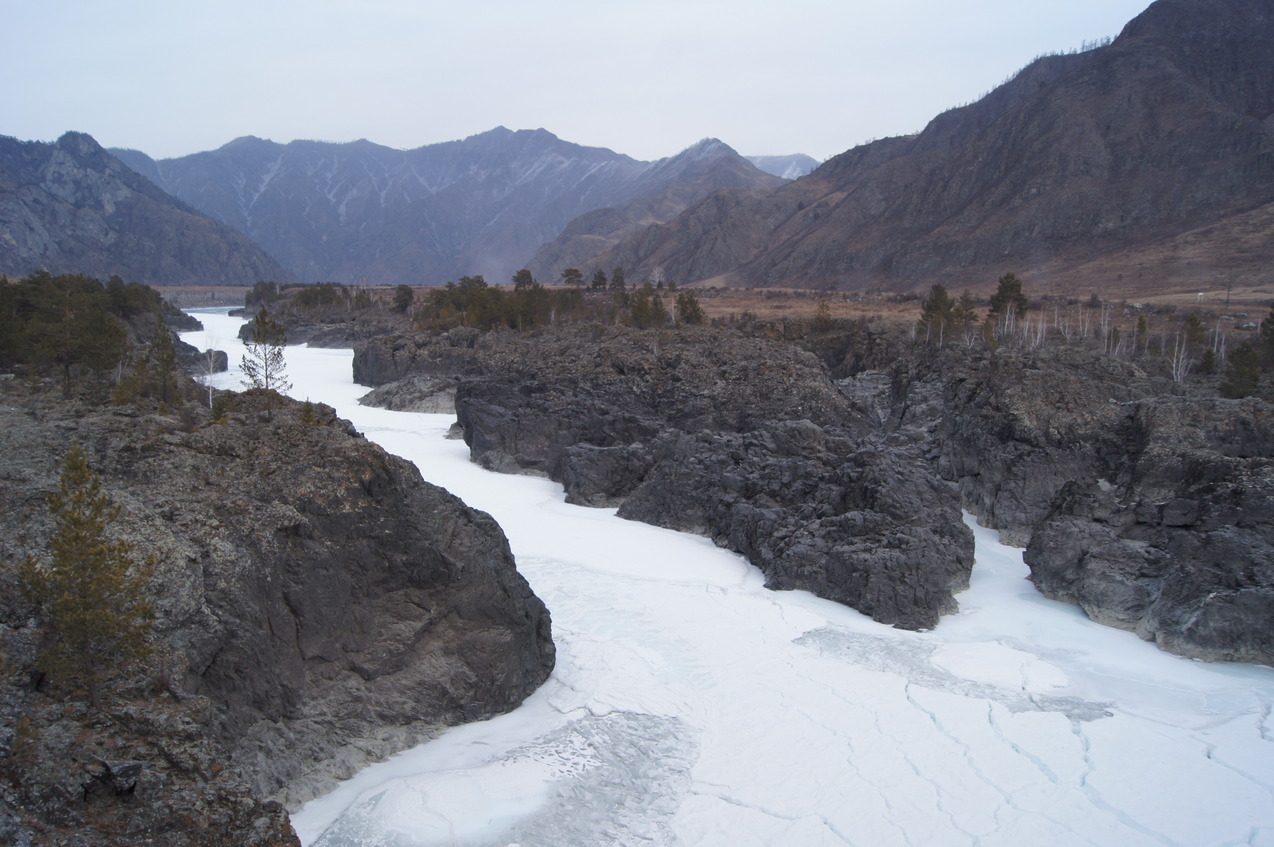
[(1146, 162), (482, 205)]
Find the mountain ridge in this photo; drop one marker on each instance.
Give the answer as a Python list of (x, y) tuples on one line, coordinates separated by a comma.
[(480, 205), (72, 207), (1164, 132)]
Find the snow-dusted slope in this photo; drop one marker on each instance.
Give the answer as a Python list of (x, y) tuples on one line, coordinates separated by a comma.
[(691, 706), (481, 205)]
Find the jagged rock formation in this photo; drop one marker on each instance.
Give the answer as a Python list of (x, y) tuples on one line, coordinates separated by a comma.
[(483, 205), (1145, 162), (743, 440), (1147, 507), (324, 605), (71, 207)]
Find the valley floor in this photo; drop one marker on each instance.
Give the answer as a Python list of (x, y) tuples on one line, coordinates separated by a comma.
[(692, 706)]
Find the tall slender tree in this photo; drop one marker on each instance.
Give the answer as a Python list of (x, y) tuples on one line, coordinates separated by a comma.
[(91, 592), (263, 363)]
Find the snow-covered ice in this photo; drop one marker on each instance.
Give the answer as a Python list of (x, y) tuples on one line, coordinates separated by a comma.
[(691, 706)]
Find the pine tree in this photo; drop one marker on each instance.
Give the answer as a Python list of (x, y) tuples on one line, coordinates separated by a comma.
[(263, 364), (403, 297), (617, 281), (1008, 298), (937, 314), (689, 311), (164, 356), (91, 592), (1242, 372)]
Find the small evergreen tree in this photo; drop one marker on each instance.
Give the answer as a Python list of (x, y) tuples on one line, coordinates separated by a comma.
[(937, 314), (522, 280), (1008, 296), (822, 317), (91, 593), (1196, 332), (1242, 372), (403, 297), (599, 280), (164, 357), (263, 364), (617, 281), (689, 311), (1266, 340)]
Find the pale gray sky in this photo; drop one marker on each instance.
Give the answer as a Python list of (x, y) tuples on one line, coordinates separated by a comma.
[(646, 79)]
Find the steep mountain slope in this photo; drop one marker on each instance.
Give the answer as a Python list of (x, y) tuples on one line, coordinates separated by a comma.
[(1149, 156), (71, 207), (674, 185), (481, 205), (794, 166)]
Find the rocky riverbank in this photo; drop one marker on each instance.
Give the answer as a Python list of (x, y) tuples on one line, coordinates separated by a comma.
[(1146, 505), (744, 440), (319, 606)]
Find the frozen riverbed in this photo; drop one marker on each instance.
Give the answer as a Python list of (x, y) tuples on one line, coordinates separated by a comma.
[(691, 706)]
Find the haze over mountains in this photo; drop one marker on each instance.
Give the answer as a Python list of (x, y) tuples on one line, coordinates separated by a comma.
[(1147, 162), (478, 206)]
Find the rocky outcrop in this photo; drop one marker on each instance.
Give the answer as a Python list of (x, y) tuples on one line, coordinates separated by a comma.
[(741, 439), (324, 604), (1144, 503), (1146, 506), (1177, 541), (71, 207), (340, 326)]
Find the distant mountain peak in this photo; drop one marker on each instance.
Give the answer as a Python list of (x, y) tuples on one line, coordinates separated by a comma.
[(708, 147)]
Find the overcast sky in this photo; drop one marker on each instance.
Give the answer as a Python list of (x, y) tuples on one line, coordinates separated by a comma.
[(171, 77)]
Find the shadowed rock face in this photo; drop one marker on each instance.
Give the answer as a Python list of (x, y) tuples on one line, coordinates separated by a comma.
[(330, 606), (1178, 543)]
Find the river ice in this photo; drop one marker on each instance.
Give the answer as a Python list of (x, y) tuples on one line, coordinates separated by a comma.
[(691, 706)]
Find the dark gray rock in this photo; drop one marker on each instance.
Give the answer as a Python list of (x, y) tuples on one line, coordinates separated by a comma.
[(1179, 546), (326, 604), (744, 440)]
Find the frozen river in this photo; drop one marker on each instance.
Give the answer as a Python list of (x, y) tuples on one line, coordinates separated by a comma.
[(691, 706)]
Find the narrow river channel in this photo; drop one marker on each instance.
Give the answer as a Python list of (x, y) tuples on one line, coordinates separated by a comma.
[(691, 706)]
